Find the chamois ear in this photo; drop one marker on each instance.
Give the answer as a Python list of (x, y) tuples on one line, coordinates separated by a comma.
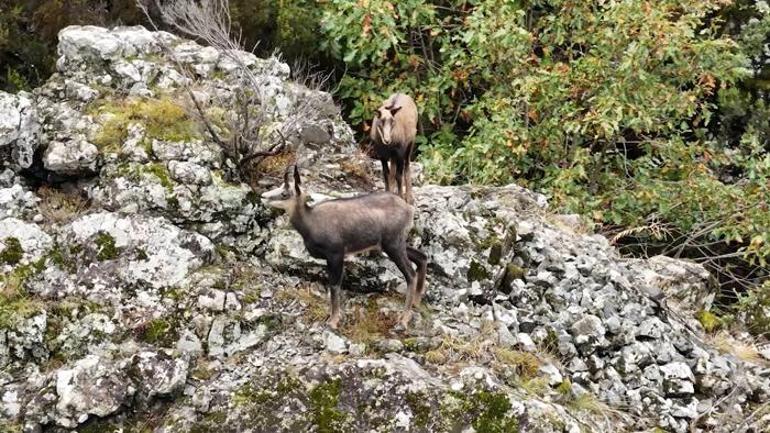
[(296, 181), (394, 110), (377, 113)]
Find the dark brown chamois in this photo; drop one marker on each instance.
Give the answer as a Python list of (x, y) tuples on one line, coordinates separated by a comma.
[(334, 229), (393, 131)]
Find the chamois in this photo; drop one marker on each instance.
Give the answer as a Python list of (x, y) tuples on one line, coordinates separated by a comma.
[(335, 228), (394, 128)]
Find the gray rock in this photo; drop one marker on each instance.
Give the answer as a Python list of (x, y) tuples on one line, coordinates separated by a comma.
[(93, 386), (552, 373), (677, 379), (170, 253), (19, 128), (158, 374), (589, 328), (34, 242), (71, 158), (189, 173), (189, 343), (333, 343)]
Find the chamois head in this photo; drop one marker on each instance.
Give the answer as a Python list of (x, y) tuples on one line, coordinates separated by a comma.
[(385, 116), (287, 195)]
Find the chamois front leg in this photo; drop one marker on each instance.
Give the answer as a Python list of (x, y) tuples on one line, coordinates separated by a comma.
[(386, 174), (400, 177), (408, 174), (334, 266)]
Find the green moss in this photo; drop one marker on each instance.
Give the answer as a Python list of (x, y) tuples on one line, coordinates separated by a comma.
[(251, 198), (710, 321), (14, 310), (324, 401), (105, 247), (564, 388), (493, 416), (251, 296), (161, 172), (211, 422), (163, 119), (477, 272), (410, 344), (420, 409), (160, 332), (13, 252), (287, 384), (272, 322), (141, 254), (249, 395), (8, 427), (487, 412), (15, 303)]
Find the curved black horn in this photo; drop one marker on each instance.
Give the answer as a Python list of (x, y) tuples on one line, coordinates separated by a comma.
[(297, 182)]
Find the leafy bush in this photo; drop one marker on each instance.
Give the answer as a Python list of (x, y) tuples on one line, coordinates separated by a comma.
[(647, 117)]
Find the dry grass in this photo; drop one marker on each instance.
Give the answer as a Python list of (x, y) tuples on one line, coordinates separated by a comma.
[(314, 304), (589, 403), (60, 207), (479, 348), (275, 165), (367, 323), (525, 364), (742, 349)]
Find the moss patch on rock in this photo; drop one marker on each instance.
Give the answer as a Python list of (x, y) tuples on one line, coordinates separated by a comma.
[(12, 252), (324, 402), (105, 247), (159, 332), (710, 321), (477, 272), (486, 411), (163, 119)]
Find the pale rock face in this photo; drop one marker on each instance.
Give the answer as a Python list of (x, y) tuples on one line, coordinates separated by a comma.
[(71, 158), (93, 386), (19, 128), (33, 240), (170, 253)]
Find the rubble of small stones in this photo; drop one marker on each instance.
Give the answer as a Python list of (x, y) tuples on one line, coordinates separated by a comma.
[(163, 294)]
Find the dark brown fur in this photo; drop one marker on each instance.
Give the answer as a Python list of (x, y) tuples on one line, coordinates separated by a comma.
[(334, 229), (393, 131)]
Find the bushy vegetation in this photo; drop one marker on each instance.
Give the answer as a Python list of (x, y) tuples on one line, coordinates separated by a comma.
[(648, 118)]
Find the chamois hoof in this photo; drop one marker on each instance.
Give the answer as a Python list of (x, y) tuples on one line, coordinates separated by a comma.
[(403, 321), (333, 322)]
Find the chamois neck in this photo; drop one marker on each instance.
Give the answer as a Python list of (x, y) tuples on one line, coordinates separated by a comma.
[(299, 213)]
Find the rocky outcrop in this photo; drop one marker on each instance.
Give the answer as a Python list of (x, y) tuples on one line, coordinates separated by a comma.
[(19, 129), (170, 298)]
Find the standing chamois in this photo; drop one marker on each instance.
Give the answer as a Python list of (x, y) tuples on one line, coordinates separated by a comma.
[(335, 228), (394, 128)]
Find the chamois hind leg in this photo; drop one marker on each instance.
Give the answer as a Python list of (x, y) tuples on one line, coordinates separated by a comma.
[(421, 260), (334, 266), (397, 253), (386, 174), (408, 173)]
